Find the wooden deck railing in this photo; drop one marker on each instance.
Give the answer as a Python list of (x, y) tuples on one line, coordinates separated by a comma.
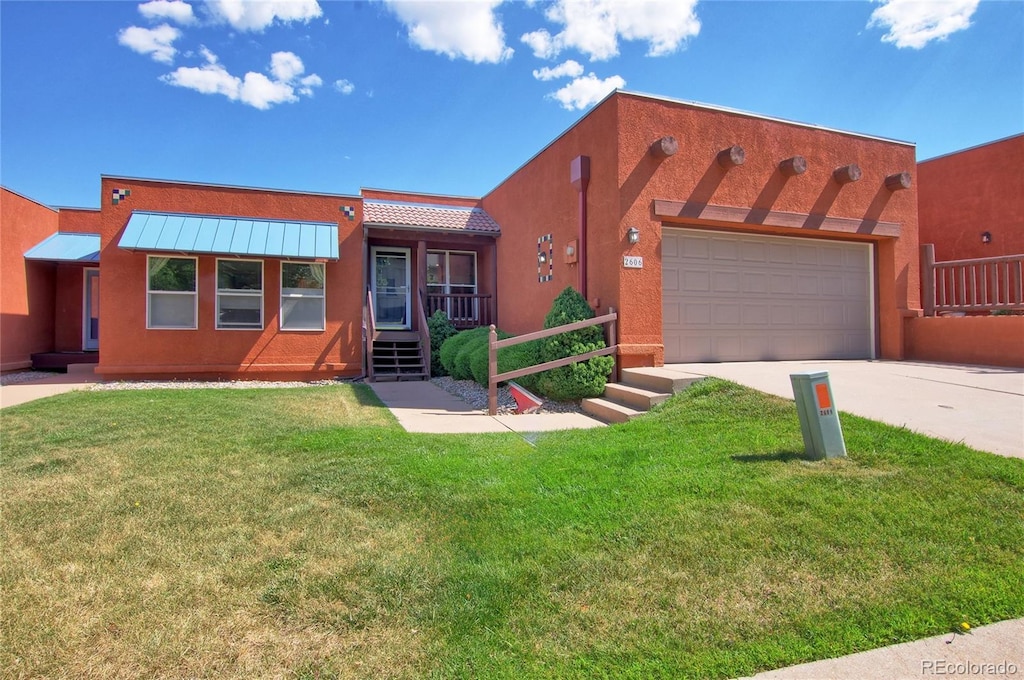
[(370, 322), (424, 334), (466, 310), (978, 285), (493, 345)]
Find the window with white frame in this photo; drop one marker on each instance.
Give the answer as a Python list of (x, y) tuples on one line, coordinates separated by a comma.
[(240, 294), (452, 274), (171, 292), (302, 296)]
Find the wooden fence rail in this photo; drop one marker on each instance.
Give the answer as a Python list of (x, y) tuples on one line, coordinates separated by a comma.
[(984, 284), (493, 345)]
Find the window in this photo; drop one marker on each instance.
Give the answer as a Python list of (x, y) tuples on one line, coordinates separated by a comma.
[(451, 283), (240, 294), (171, 292), (302, 296)]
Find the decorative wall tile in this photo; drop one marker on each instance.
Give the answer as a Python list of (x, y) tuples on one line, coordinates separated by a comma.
[(545, 258), (349, 211), (119, 195)]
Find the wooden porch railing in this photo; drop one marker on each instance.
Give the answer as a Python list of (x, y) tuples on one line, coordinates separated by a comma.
[(424, 335), (984, 284), (370, 323), (466, 310), (493, 345)]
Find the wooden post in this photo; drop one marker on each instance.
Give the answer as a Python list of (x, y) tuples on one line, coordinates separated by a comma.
[(847, 173), (613, 340), (731, 157), (797, 165), (664, 147), (928, 278), (898, 182), (492, 371)]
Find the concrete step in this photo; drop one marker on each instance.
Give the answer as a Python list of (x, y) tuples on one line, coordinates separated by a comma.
[(657, 380), (634, 397), (609, 411)]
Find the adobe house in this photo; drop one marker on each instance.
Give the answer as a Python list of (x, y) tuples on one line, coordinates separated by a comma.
[(717, 235)]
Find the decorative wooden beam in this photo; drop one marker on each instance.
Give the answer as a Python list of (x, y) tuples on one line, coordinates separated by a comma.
[(664, 147), (698, 212), (898, 182), (847, 173), (797, 165), (731, 157)]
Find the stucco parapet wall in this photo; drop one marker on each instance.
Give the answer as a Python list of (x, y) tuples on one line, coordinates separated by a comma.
[(690, 210), (237, 187)]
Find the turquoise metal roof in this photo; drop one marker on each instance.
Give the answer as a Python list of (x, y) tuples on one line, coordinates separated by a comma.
[(66, 247), (216, 235)]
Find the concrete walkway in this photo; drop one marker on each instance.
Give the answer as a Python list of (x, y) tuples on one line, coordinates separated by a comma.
[(77, 377), (980, 406), (995, 651), (424, 407)]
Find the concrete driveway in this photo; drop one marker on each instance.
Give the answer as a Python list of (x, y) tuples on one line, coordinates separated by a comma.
[(979, 405)]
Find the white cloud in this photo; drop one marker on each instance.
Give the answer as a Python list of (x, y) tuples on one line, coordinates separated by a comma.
[(156, 42), (594, 27), (459, 30), (254, 89), (913, 23), (570, 69), (585, 91), (177, 11), (245, 15), (344, 86)]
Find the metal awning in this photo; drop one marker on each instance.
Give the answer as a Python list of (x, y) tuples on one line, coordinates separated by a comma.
[(66, 247), (217, 235)]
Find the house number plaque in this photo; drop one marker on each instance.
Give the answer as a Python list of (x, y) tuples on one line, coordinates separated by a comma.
[(632, 262)]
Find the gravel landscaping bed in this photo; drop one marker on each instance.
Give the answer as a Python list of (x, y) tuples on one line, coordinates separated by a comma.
[(24, 377), (476, 396)]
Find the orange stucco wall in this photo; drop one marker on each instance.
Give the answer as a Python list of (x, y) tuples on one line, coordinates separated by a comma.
[(973, 191), (26, 288), (982, 340), (127, 348), (538, 199)]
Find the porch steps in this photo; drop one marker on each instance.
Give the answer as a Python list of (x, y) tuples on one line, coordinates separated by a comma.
[(640, 389), (397, 355)]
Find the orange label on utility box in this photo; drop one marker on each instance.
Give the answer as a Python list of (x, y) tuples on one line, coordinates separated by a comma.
[(821, 392)]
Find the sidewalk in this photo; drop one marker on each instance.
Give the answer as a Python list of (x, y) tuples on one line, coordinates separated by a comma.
[(424, 407), (995, 651), (76, 378)]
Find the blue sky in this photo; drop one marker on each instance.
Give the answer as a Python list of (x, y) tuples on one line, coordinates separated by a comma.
[(451, 97)]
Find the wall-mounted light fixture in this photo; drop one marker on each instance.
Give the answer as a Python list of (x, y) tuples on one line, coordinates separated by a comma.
[(542, 257), (986, 237), (633, 236)]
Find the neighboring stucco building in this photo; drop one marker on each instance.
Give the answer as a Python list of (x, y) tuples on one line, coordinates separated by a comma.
[(971, 202), (717, 235)]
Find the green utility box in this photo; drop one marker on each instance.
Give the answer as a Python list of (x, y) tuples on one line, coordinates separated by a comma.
[(819, 418)]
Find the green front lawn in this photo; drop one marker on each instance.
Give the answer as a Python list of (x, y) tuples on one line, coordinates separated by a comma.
[(302, 533)]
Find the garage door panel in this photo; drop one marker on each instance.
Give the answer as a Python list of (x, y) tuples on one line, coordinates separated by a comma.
[(748, 297)]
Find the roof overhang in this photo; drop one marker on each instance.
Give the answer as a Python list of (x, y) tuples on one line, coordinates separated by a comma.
[(221, 235), (448, 219), (66, 247)]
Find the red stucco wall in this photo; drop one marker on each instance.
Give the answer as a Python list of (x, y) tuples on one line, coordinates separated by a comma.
[(26, 288), (128, 348), (538, 199), (969, 192), (982, 340)]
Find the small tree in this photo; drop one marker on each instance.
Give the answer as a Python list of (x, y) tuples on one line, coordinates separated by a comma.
[(581, 379)]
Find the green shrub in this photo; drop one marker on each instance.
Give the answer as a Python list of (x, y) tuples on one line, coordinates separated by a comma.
[(441, 328), (582, 379), (452, 349)]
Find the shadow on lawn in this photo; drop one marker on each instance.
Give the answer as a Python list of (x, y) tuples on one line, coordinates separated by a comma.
[(778, 456)]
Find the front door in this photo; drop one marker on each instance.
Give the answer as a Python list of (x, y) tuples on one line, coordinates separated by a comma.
[(390, 286), (91, 311)]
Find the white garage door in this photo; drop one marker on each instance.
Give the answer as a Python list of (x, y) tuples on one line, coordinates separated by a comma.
[(741, 297)]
